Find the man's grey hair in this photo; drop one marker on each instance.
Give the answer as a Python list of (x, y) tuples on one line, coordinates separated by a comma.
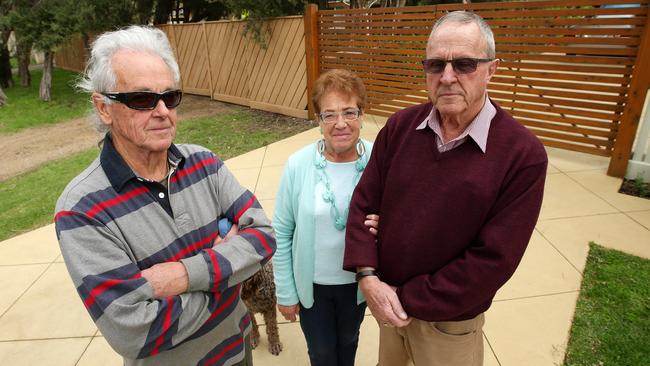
[(466, 17), (99, 75)]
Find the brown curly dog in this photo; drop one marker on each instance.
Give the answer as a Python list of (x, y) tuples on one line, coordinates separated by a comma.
[(258, 293)]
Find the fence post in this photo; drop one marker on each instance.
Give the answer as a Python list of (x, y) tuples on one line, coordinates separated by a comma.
[(633, 107), (311, 52)]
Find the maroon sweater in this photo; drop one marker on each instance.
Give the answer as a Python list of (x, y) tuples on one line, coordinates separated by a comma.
[(453, 225)]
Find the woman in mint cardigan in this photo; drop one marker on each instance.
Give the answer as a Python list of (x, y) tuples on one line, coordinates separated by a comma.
[(309, 221)]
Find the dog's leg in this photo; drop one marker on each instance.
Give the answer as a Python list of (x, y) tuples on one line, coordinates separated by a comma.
[(272, 332), (255, 332)]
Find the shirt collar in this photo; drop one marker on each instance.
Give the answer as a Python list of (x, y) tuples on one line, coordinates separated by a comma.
[(478, 129), (119, 172)]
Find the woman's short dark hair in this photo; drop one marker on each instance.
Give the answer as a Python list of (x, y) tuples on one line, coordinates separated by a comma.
[(340, 81)]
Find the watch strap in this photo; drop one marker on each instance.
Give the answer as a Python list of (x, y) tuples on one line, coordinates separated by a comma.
[(366, 273)]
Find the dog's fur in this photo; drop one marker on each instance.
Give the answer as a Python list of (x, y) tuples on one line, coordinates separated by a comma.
[(258, 293)]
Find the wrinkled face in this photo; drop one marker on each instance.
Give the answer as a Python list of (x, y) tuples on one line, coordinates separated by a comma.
[(342, 134), (458, 95), (145, 131)]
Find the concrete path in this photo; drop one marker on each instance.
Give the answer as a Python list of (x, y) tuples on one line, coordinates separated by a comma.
[(42, 318)]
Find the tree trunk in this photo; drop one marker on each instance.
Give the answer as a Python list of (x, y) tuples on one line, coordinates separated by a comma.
[(6, 78), (393, 3), (46, 81), (85, 38), (24, 53), (3, 97)]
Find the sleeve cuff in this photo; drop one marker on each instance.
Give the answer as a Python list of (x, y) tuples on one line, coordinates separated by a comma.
[(197, 273)]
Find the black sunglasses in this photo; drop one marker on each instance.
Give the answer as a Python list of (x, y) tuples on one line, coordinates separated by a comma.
[(463, 65), (146, 101)]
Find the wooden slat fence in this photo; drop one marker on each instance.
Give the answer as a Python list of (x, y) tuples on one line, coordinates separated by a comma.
[(72, 55), (217, 60), (574, 72)]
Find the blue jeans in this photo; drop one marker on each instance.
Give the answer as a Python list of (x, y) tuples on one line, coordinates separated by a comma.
[(331, 325)]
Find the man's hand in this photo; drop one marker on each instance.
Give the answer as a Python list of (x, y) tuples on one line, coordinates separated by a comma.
[(383, 302), (372, 222), (289, 312), (167, 279)]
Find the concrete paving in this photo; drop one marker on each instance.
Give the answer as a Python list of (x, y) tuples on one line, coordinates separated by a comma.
[(42, 318)]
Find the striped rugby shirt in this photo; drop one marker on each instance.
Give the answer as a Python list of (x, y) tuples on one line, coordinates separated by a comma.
[(111, 225)]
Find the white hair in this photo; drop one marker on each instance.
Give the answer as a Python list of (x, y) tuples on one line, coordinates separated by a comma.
[(99, 75), (466, 17)]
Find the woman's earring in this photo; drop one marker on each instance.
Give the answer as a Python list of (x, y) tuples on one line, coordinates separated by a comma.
[(321, 130), (321, 146), (361, 149)]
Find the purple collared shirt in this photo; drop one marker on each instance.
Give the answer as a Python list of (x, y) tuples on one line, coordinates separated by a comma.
[(477, 130)]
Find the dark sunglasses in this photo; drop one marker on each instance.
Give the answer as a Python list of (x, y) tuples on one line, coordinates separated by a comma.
[(463, 65), (146, 101)]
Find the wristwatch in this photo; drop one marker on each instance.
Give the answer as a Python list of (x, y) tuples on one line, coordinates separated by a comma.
[(362, 274)]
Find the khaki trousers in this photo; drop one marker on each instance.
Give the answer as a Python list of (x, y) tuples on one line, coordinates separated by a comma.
[(425, 343)]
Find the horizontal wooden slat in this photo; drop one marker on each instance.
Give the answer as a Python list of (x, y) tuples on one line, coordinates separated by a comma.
[(557, 102), (577, 50), (232, 99), (293, 112), (567, 128), (574, 147), (196, 91), (566, 31), (387, 67), (547, 75), (561, 84), (564, 58), (569, 137), (532, 4), (561, 119), (518, 105), (612, 39), (397, 97), (373, 51), (576, 68), (564, 22), (516, 89), (370, 37)]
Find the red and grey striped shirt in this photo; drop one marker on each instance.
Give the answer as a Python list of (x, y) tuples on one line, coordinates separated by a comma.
[(111, 225)]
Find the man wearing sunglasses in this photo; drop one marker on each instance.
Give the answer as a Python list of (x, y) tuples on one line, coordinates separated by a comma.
[(458, 185), (139, 230)]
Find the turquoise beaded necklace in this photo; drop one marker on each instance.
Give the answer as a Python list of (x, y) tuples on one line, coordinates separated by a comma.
[(329, 197)]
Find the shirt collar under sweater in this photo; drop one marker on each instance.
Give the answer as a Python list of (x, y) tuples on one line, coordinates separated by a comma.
[(478, 129), (119, 172)]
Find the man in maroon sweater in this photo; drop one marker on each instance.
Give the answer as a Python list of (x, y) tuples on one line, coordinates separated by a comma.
[(458, 184)]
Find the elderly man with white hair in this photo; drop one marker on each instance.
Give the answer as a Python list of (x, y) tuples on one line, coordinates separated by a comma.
[(138, 228)]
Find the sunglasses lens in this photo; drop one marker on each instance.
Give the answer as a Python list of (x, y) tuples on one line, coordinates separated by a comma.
[(433, 66), (464, 65), (141, 100), (172, 98)]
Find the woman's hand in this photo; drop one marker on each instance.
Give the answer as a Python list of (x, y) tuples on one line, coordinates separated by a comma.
[(372, 222), (289, 312), (234, 230)]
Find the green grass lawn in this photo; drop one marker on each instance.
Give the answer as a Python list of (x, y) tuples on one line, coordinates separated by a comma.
[(237, 132), (27, 201), (25, 109), (612, 319)]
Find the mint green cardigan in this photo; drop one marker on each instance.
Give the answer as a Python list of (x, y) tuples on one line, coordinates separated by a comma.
[(293, 221)]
